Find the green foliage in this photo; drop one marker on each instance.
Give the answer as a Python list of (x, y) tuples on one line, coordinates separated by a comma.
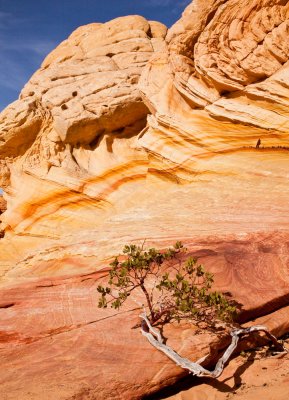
[(173, 285)]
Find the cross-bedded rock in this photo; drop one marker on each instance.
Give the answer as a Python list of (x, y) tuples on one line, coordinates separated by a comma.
[(130, 133)]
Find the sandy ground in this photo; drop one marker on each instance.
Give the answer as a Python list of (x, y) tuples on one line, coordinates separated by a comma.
[(255, 375)]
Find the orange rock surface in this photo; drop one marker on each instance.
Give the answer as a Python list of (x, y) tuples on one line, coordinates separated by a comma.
[(131, 132), (2, 205), (251, 377)]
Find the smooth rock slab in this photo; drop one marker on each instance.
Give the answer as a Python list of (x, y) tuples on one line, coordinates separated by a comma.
[(56, 343)]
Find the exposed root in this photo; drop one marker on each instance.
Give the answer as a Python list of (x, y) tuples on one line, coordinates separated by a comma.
[(154, 337)]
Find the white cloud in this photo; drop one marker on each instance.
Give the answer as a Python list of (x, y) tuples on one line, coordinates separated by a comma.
[(40, 47), (17, 57), (10, 39), (4, 15), (12, 74), (9, 20), (3, 19), (20, 54)]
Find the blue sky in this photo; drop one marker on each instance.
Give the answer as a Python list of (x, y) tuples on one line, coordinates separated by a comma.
[(30, 29)]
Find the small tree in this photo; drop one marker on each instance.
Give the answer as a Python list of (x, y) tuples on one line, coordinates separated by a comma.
[(174, 287), (183, 291)]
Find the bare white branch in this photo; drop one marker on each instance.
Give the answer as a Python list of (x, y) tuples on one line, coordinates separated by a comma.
[(153, 335)]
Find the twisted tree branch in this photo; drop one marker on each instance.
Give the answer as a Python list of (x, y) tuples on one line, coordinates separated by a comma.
[(154, 337)]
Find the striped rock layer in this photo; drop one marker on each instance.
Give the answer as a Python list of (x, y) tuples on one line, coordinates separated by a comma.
[(131, 132)]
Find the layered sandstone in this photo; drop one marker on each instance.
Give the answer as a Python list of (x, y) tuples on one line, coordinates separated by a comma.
[(129, 132)]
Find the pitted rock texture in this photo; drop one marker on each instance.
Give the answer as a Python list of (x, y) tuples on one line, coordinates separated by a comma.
[(129, 132)]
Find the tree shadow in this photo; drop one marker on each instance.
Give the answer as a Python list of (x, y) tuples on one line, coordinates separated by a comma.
[(223, 387), (188, 382)]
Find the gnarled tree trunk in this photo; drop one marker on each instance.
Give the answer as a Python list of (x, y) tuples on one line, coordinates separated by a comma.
[(154, 337)]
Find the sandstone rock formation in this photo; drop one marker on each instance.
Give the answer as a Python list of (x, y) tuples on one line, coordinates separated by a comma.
[(255, 375), (2, 209), (2, 205), (129, 132)]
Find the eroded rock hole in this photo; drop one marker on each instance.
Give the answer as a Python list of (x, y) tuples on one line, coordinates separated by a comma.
[(119, 131), (8, 305), (96, 141), (64, 107)]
